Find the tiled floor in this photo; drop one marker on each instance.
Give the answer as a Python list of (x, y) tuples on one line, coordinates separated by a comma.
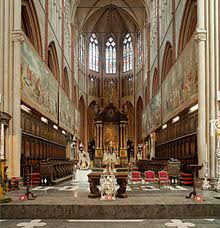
[(75, 195)]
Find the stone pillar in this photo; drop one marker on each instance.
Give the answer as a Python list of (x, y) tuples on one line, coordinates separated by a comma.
[(212, 63), (86, 129), (201, 40), (10, 56)]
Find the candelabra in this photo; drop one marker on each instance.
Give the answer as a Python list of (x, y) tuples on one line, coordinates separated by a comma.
[(216, 126)]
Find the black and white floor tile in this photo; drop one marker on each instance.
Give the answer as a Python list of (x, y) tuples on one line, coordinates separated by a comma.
[(85, 187)]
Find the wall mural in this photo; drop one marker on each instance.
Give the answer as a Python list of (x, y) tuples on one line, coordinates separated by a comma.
[(39, 88), (179, 90), (155, 107), (66, 112), (146, 123), (152, 115), (181, 84)]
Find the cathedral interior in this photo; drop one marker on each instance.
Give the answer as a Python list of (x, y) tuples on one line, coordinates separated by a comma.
[(129, 84)]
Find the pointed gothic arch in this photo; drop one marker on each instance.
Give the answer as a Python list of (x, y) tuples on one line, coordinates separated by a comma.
[(30, 24), (82, 109), (53, 62), (156, 82), (91, 117), (167, 60), (147, 92), (65, 82), (139, 110), (188, 25), (110, 56)]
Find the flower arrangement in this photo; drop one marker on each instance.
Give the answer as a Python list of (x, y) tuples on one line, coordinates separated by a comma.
[(107, 187)]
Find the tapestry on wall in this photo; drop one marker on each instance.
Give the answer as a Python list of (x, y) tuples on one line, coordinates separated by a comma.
[(180, 87), (155, 107), (39, 88), (66, 112)]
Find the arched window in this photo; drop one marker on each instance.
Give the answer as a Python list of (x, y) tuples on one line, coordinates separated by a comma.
[(93, 53), (127, 53), (155, 85), (147, 92), (82, 49), (167, 60), (53, 62), (188, 25), (110, 56), (30, 24), (140, 49), (66, 86)]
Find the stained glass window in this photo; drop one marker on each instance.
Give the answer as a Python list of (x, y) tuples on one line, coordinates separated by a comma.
[(127, 53), (93, 53), (82, 48), (110, 56), (140, 49)]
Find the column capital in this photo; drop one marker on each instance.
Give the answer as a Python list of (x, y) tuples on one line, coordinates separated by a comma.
[(17, 36), (74, 27), (201, 35)]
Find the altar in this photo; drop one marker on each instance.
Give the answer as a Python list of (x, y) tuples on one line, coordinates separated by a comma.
[(110, 137), (94, 181)]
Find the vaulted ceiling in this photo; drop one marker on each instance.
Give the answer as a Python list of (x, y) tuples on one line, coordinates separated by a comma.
[(105, 16)]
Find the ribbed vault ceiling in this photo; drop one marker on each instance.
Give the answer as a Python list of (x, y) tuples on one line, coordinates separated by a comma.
[(105, 16)]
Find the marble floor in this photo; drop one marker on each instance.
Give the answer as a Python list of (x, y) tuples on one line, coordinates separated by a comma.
[(72, 197)]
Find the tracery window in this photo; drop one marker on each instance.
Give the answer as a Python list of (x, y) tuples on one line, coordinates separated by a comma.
[(82, 49), (93, 53), (140, 49), (110, 56), (127, 53)]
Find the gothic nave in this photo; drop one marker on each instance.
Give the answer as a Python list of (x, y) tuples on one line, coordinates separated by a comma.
[(94, 89)]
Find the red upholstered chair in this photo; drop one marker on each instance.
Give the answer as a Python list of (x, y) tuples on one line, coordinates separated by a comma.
[(136, 177), (164, 178), (150, 178)]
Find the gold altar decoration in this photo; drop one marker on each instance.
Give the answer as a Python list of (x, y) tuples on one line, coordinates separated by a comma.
[(111, 134)]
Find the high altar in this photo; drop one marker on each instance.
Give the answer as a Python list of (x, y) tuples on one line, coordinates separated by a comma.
[(110, 136)]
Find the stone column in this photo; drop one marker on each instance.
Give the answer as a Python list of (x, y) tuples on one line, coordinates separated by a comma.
[(10, 52), (212, 63), (86, 128), (201, 40)]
